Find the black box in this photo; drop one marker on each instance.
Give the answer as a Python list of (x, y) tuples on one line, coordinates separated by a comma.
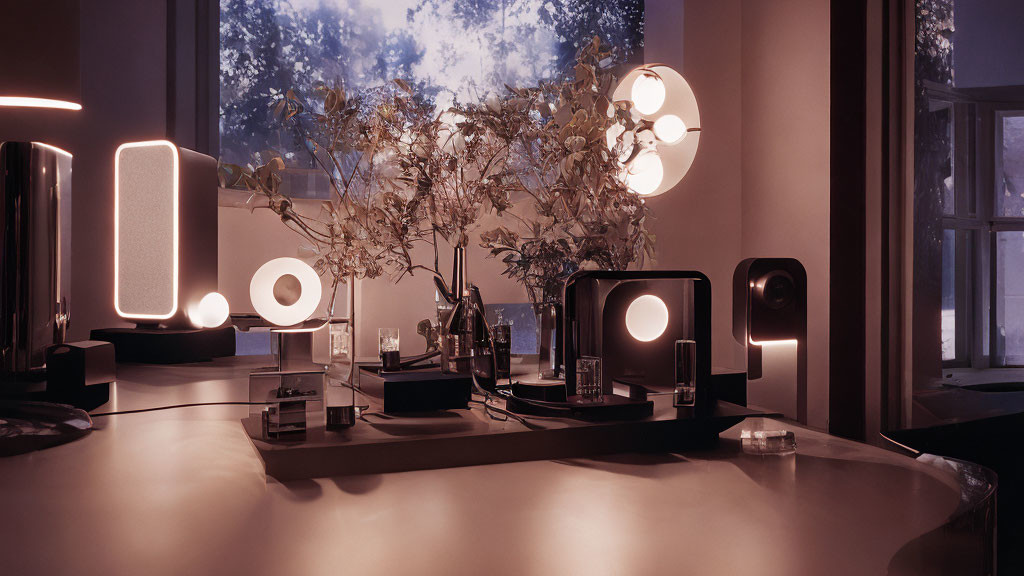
[(169, 346), (420, 390), (80, 373)]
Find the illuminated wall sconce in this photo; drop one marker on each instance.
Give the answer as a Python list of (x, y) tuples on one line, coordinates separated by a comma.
[(40, 67), (165, 236), (770, 310), (664, 102), (632, 321)]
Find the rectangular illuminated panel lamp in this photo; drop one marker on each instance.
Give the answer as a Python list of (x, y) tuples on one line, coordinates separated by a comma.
[(165, 232)]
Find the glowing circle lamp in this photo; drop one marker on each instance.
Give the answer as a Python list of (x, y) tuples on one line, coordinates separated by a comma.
[(212, 311), (647, 318), (285, 291), (665, 101)]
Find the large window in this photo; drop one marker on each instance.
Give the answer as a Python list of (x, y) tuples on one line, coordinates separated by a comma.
[(1009, 238), (448, 50), (982, 232)]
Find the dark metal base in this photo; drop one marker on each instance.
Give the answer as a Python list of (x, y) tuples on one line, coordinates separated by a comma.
[(380, 443), (422, 390), (166, 346), (611, 407)]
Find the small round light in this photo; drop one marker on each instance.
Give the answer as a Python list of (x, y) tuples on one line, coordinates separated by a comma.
[(645, 173), (646, 318), (211, 311), (285, 291), (669, 128), (648, 93)]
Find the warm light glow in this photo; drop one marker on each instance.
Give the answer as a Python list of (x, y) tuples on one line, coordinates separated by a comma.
[(670, 129), (789, 342), (645, 173), (211, 311), (647, 318), (267, 303), (28, 102), (54, 148), (117, 239), (648, 93)]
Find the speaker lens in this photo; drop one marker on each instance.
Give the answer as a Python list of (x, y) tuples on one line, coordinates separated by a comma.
[(777, 290)]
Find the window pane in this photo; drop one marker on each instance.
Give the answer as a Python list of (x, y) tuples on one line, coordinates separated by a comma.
[(948, 294), (1010, 297), (447, 50), (1010, 183)]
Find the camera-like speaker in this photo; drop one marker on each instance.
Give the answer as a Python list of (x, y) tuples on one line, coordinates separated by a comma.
[(770, 309), (165, 233)]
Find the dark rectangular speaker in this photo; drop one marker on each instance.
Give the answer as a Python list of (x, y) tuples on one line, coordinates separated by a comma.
[(631, 320)]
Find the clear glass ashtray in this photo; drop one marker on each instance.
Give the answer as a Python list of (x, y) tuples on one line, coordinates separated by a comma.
[(765, 442)]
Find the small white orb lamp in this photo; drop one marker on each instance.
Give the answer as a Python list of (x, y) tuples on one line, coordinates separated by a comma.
[(646, 318), (285, 291), (645, 173), (662, 98), (670, 129), (212, 311), (648, 93)]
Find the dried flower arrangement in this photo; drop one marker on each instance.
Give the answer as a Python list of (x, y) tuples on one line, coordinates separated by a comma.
[(570, 164), (369, 225), (400, 176)]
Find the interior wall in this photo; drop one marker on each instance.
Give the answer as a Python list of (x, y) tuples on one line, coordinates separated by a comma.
[(785, 158), (697, 224), (123, 70)]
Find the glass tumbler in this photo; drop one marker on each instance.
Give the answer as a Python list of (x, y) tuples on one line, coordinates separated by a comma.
[(588, 379), (389, 356), (685, 393)]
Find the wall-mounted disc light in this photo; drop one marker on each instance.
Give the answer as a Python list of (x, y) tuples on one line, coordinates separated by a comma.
[(212, 311), (285, 291), (646, 318), (663, 97)]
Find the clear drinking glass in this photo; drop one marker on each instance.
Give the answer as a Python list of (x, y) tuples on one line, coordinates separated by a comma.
[(588, 379), (503, 349), (339, 340), (686, 373), (389, 356)]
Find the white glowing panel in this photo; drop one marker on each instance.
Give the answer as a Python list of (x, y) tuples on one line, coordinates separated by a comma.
[(285, 291), (146, 230), (647, 318)]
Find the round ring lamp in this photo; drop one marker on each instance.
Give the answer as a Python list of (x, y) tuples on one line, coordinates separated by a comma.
[(285, 291), (662, 98)]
